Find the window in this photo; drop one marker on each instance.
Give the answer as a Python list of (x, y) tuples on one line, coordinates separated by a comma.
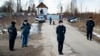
[(41, 11)]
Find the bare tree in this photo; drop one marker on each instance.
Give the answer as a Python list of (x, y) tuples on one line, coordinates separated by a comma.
[(29, 9), (19, 8), (8, 6), (33, 8), (73, 7)]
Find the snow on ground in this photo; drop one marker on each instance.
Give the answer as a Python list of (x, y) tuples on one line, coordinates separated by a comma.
[(96, 34), (34, 29)]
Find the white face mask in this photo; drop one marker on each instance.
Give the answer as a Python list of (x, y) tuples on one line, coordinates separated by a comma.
[(90, 19), (25, 22), (61, 24)]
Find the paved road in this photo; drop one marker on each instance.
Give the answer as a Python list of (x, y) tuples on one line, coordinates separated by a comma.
[(75, 43)]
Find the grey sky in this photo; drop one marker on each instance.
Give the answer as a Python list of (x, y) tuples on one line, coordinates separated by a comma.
[(85, 5)]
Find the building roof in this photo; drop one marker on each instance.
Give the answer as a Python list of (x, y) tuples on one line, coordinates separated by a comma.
[(42, 5)]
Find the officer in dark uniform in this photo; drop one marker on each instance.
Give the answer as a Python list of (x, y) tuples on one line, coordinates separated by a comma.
[(50, 20), (60, 30), (89, 26), (25, 32), (12, 35)]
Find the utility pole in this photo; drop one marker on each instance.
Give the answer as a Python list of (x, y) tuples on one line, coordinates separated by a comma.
[(61, 12)]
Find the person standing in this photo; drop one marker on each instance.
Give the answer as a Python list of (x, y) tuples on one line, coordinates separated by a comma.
[(50, 20), (60, 31), (25, 32), (12, 35), (89, 26)]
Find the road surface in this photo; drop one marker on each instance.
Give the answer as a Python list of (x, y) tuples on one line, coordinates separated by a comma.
[(45, 43), (75, 43)]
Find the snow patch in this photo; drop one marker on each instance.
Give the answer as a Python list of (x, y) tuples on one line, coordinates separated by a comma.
[(96, 34), (19, 33), (34, 28)]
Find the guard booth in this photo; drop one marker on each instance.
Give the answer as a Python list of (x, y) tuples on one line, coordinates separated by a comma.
[(42, 11)]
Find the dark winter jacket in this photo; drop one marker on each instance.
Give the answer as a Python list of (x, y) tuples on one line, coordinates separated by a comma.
[(50, 19), (60, 30), (25, 29), (12, 32), (90, 24)]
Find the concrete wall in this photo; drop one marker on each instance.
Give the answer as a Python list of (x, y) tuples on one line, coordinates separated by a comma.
[(53, 16)]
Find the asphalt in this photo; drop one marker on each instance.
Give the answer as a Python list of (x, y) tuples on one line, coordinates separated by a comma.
[(75, 43)]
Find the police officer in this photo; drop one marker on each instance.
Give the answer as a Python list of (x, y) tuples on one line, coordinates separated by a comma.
[(89, 26), (50, 20), (12, 35), (60, 30), (25, 32)]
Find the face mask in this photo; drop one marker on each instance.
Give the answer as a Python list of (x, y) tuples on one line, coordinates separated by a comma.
[(61, 24), (90, 19), (25, 22)]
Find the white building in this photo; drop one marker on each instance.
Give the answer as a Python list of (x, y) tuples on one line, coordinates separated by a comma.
[(42, 9), (42, 12)]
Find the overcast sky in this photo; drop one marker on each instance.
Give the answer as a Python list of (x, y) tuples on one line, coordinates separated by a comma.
[(85, 5)]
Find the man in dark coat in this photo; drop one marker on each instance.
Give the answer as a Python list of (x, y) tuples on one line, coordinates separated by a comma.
[(60, 30), (50, 20), (90, 25), (25, 32), (12, 35)]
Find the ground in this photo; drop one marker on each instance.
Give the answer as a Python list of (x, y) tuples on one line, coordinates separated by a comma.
[(45, 43), (81, 25), (75, 44)]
